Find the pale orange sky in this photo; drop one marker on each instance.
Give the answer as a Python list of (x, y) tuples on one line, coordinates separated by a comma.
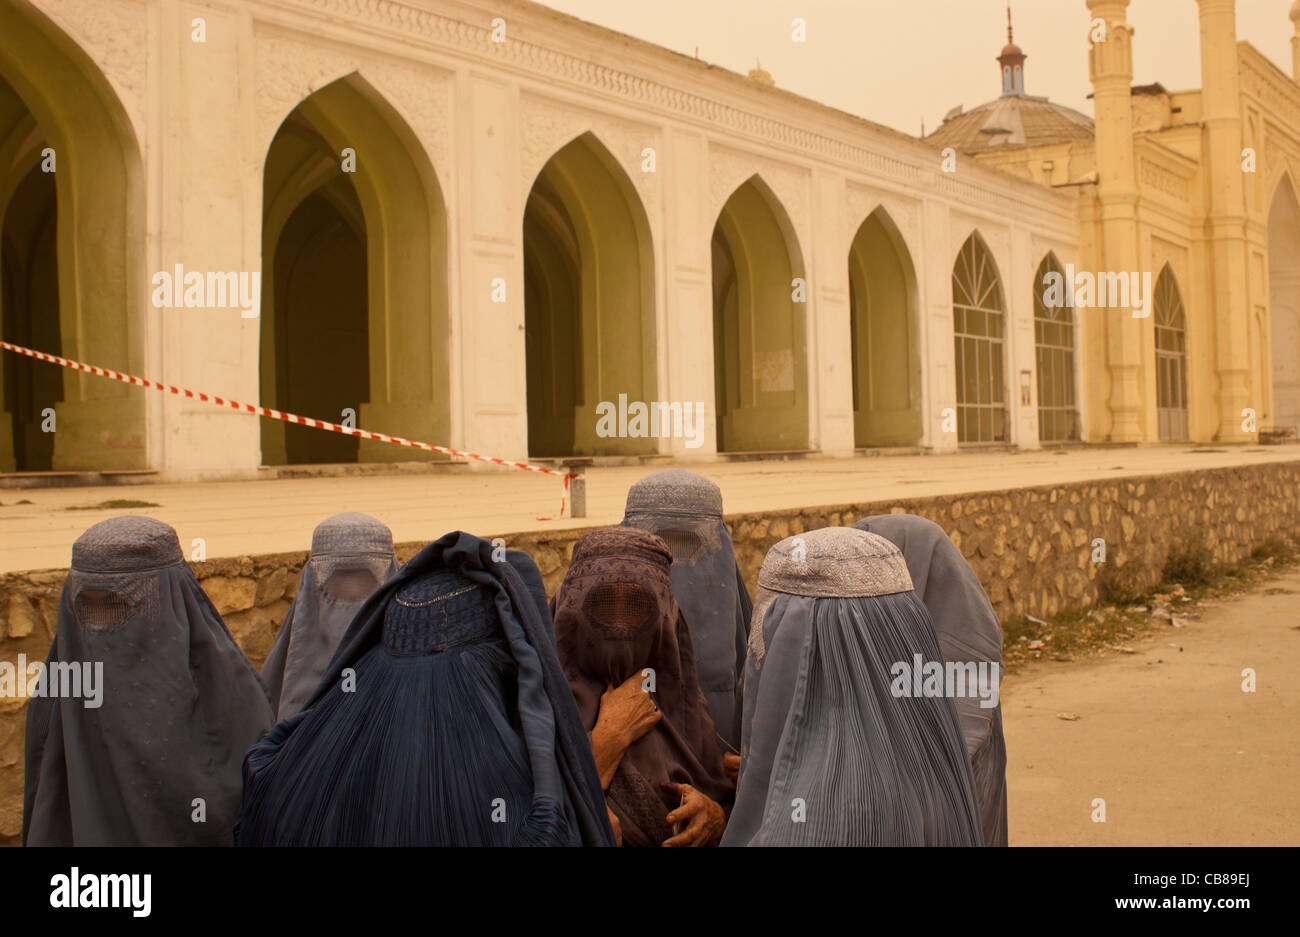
[(900, 62)]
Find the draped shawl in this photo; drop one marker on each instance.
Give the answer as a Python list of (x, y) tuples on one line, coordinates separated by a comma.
[(442, 719)]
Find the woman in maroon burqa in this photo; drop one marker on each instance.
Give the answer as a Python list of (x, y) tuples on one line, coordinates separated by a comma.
[(627, 653)]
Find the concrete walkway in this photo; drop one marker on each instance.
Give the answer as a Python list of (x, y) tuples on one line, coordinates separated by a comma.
[(246, 517)]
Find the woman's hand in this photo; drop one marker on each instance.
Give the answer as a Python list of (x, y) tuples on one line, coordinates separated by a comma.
[(704, 818), (731, 766), (626, 714)]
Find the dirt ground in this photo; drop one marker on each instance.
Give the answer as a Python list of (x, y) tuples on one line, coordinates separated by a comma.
[(1166, 736)]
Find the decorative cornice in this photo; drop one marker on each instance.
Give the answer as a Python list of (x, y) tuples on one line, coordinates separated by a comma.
[(464, 39), (1261, 80)]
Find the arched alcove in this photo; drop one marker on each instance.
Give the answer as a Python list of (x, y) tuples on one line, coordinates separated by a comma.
[(979, 329), (1054, 358), (354, 288), (759, 344), (589, 305), (71, 206), (883, 326), (1284, 304)]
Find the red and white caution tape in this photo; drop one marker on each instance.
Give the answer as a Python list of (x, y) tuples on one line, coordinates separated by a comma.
[(286, 417)]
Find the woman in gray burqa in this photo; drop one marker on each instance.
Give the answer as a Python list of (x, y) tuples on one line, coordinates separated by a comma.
[(158, 762), (831, 755), (969, 632), (351, 557), (685, 511), (443, 719)]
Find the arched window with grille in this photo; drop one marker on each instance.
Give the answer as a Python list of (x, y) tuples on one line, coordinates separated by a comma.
[(1058, 416), (979, 325), (1171, 358)]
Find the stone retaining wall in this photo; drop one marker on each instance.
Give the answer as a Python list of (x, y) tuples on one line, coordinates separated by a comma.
[(1033, 549)]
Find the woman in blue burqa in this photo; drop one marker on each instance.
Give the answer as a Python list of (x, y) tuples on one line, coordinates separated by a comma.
[(969, 632), (685, 510), (351, 557), (833, 754), (155, 760), (443, 719)]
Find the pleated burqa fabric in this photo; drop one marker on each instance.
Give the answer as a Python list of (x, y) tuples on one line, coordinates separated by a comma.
[(831, 756), (685, 510), (351, 557), (968, 631), (158, 762), (443, 719), (614, 617)]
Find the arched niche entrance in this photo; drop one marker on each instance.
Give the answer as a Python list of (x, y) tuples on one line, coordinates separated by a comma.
[(1284, 304), (354, 289), (589, 305), (759, 345), (1058, 413), (71, 255), (979, 330), (883, 325), (1171, 359)]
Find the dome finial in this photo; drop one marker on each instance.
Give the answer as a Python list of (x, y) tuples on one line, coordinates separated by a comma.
[(1012, 63)]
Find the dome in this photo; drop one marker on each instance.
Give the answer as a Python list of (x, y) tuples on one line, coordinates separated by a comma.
[(1295, 12), (1012, 49), (1011, 120)]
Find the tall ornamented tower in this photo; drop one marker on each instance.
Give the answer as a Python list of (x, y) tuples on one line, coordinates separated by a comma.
[(1226, 223), (1295, 41), (1110, 66)]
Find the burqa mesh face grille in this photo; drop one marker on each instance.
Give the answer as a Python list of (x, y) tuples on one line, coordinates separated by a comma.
[(107, 602), (101, 609), (350, 584), (682, 543), (621, 608)]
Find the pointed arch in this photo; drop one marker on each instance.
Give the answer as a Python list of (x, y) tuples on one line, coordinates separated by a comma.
[(354, 286), (1054, 353), (1284, 303), (759, 343), (84, 227), (979, 329), (1171, 358), (589, 303), (884, 334)]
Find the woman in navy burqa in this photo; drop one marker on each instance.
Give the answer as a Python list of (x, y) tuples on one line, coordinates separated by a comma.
[(157, 761), (442, 720)]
